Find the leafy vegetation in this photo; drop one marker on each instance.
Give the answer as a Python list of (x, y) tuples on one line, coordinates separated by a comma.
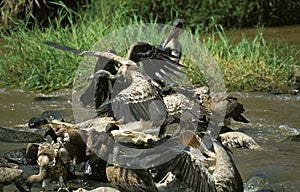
[(29, 64)]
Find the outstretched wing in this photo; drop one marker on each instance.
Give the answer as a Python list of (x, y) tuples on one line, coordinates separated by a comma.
[(70, 49), (100, 88), (158, 64), (139, 101), (134, 180), (186, 163), (192, 172)]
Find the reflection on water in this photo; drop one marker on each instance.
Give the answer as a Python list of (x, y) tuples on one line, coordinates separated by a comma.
[(272, 118)]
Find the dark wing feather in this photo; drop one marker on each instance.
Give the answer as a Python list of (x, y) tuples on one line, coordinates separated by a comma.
[(123, 107), (187, 168), (137, 99), (100, 88), (120, 108), (70, 49), (162, 68), (156, 63), (135, 180)]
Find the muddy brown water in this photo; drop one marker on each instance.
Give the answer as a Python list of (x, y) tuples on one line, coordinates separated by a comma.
[(272, 119)]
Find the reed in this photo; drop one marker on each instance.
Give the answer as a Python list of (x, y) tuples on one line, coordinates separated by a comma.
[(253, 65), (27, 63)]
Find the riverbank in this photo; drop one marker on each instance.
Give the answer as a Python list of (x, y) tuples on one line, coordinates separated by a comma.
[(261, 62)]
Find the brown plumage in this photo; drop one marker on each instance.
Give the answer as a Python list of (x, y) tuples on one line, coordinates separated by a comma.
[(162, 66), (234, 110), (53, 161), (226, 175), (9, 173), (134, 180), (71, 139), (231, 107), (222, 107), (187, 106), (99, 146), (179, 98), (135, 98), (100, 88), (204, 170), (176, 102), (188, 159)]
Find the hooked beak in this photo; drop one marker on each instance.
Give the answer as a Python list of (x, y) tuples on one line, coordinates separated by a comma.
[(174, 32)]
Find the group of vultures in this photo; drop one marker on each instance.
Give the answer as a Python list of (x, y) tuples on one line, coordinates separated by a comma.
[(150, 133)]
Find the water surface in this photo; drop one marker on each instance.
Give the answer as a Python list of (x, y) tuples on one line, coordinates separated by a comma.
[(272, 119)]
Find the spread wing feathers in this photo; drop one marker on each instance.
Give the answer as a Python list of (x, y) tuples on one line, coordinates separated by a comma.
[(156, 63), (138, 52), (98, 142), (226, 175), (189, 169), (139, 101), (100, 88), (135, 180), (65, 48), (104, 54), (235, 109), (162, 69), (186, 107)]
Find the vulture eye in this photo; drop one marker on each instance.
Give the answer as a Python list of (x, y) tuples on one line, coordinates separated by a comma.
[(117, 66)]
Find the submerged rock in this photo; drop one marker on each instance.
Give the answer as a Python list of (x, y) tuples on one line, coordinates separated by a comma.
[(293, 138), (36, 122), (21, 135), (45, 118), (17, 156)]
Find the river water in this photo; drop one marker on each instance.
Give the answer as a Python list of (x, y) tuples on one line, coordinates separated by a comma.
[(272, 119), (286, 35)]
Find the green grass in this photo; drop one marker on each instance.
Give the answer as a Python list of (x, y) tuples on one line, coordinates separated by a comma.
[(27, 63), (253, 65)]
